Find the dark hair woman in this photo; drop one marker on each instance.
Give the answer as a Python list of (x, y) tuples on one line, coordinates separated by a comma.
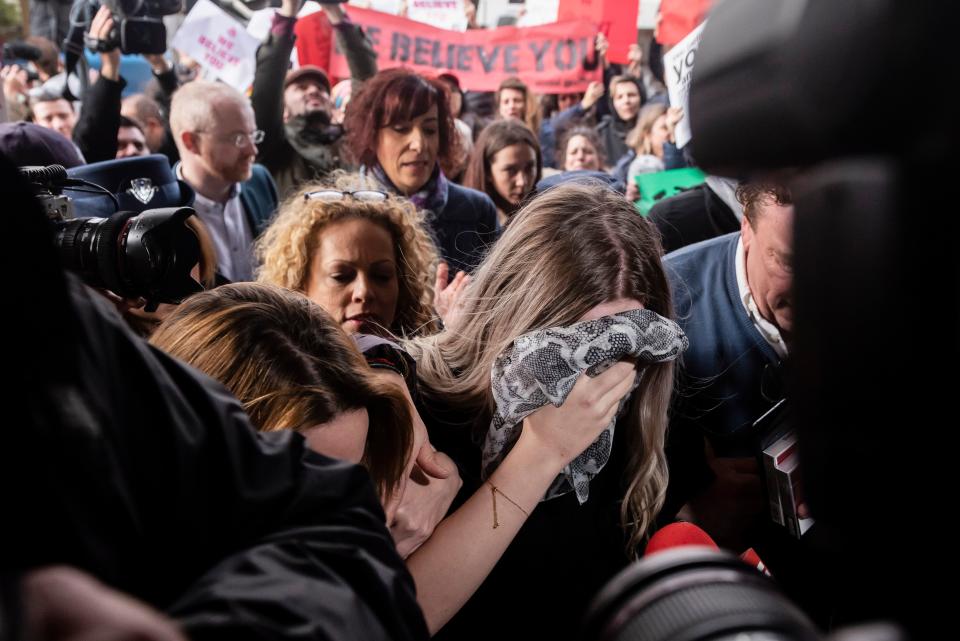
[(400, 129), (506, 164)]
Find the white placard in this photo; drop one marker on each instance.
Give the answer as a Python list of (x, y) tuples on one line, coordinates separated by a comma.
[(538, 13), (678, 69), (443, 14), (393, 7), (647, 14), (489, 12), (219, 43)]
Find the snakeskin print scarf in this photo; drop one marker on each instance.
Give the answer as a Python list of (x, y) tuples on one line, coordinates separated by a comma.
[(542, 367)]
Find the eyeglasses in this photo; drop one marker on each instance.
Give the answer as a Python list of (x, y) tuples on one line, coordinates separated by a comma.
[(333, 195), (240, 139)]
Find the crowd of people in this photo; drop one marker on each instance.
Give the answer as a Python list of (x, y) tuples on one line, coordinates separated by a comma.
[(416, 286)]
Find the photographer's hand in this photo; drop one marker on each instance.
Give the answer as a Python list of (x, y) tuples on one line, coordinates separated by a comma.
[(100, 29)]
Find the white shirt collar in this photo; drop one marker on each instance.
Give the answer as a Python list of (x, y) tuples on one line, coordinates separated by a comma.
[(769, 331)]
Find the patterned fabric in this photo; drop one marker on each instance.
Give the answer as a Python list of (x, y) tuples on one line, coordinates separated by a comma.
[(542, 367), (431, 197)]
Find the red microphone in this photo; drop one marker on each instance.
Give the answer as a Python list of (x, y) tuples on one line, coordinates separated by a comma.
[(678, 535), (682, 533)]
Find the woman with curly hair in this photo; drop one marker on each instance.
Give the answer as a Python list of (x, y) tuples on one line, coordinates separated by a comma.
[(363, 255), (293, 368), (401, 131), (580, 149)]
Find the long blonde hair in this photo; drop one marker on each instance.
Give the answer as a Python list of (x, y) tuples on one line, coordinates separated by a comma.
[(287, 247), (639, 138), (568, 250)]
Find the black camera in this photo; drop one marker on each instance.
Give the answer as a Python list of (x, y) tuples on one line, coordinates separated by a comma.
[(138, 25), (148, 255)]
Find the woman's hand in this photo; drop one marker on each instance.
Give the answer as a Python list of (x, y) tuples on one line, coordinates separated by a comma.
[(447, 295), (562, 433), (593, 93), (425, 502), (602, 45), (430, 483), (674, 116)]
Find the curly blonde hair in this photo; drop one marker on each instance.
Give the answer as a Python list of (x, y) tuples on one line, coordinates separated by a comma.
[(286, 249)]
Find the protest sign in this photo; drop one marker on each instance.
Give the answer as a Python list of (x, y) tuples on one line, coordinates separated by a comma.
[(446, 14), (554, 58), (539, 12), (678, 69), (617, 20), (219, 43), (680, 17), (657, 186), (394, 7)]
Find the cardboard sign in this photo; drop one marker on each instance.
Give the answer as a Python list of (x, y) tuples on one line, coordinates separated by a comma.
[(617, 20), (664, 184), (219, 43), (554, 58), (446, 14), (678, 69)]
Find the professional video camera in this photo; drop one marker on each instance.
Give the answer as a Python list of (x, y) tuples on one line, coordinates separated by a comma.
[(148, 255), (138, 25)]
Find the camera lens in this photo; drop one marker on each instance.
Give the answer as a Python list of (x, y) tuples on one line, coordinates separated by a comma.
[(693, 594), (149, 255)]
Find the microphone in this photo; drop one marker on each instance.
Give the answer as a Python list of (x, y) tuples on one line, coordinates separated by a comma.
[(20, 50), (679, 534), (682, 534)]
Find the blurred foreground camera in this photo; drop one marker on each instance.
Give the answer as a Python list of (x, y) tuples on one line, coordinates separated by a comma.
[(148, 255), (697, 593), (693, 593)]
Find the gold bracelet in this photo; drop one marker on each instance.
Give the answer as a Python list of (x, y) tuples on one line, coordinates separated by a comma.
[(494, 490)]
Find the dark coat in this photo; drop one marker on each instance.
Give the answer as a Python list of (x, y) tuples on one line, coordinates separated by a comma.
[(125, 463), (692, 216), (465, 228)]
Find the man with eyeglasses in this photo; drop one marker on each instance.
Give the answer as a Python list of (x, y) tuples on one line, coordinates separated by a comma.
[(214, 129)]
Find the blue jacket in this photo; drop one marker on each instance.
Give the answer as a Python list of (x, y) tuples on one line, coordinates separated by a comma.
[(722, 371)]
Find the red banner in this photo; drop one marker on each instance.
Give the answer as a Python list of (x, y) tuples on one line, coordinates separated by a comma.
[(314, 40), (552, 58), (680, 17), (617, 20)]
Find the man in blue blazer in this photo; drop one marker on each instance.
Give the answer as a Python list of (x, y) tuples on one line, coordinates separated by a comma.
[(215, 131), (732, 296)]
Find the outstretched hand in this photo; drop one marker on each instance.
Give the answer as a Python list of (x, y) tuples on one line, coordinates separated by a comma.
[(447, 294)]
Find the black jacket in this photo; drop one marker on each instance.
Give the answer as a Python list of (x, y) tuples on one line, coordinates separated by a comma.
[(694, 215), (132, 466), (96, 130)]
